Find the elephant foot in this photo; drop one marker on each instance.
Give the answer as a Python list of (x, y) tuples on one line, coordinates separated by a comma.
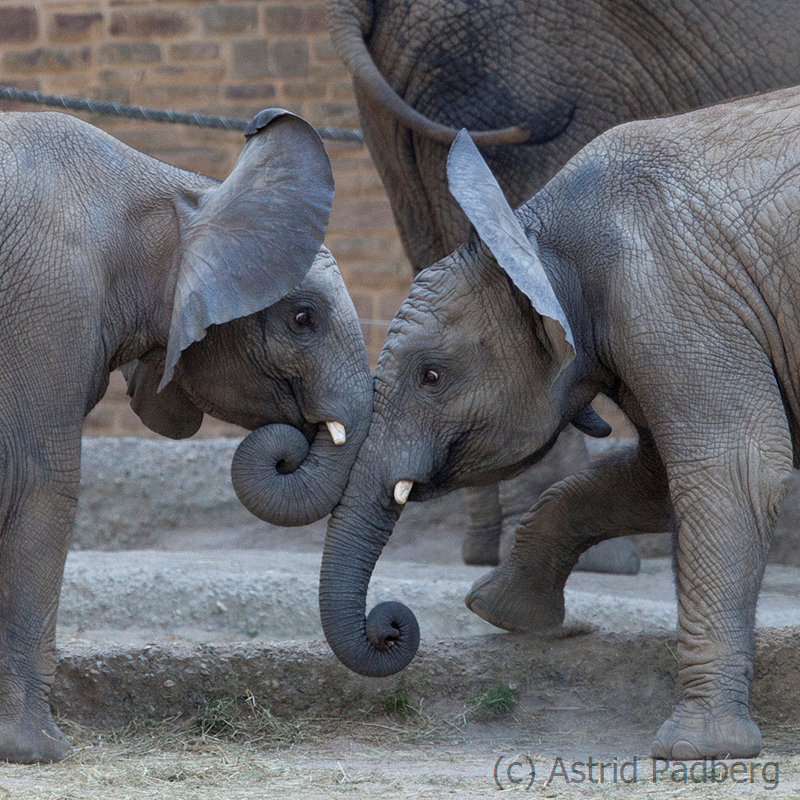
[(694, 731), (31, 742), (481, 548), (509, 600), (613, 556)]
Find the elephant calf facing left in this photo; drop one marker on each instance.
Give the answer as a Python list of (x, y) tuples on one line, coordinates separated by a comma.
[(214, 297), (660, 266)]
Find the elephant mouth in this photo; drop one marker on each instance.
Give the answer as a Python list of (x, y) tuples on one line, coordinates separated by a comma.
[(450, 477)]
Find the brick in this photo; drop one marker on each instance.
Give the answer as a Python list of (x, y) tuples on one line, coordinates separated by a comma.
[(210, 74), (342, 115), (289, 59), (304, 90), (251, 59), (72, 27), (357, 183), (358, 215), (229, 19), (146, 24), (212, 161), (316, 19), (129, 53), (18, 24), (324, 52), (247, 110), (340, 91), (112, 94), (251, 91), (179, 96), (295, 18), (125, 77), (280, 20), (390, 302), (47, 59), (194, 51)]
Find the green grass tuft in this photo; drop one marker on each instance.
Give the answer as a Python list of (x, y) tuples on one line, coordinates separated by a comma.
[(397, 702), (497, 701)]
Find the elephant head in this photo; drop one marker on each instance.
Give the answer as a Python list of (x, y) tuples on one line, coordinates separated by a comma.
[(263, 333), (481, 369)]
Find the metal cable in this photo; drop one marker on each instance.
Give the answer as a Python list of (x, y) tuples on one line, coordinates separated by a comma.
[(155, 114)]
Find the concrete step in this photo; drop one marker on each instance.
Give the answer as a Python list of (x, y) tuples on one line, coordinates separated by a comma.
[(229, 595)]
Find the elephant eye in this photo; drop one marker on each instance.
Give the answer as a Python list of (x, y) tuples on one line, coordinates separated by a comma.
[(303, 318), (430, 378)]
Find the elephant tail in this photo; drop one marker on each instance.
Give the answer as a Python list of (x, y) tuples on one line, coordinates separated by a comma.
[(350, 21)]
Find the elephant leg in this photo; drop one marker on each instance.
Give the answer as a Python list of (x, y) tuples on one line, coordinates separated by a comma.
[(481, 543), (618, 556), (726, 506), (626, 492), (494, 511), (39, 498)]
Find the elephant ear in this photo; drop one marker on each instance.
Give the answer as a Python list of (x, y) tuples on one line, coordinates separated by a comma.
[(251, 239), (169, 412), (474, 187)]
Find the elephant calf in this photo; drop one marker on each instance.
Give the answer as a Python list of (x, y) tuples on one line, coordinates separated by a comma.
[(216, 298), (661, 266)]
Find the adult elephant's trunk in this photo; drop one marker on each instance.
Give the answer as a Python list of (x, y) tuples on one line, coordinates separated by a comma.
[(384, 642), (348, 19), (282, 479)]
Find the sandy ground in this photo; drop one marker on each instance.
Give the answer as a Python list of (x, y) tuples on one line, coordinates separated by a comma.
[(386, 759), (536, 744)]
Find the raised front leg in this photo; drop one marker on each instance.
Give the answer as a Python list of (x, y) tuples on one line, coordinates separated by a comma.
[(39, 496), (495, 511), (625, 492)]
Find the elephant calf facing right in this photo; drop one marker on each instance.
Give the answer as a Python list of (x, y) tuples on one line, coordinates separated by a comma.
[(661, 267)]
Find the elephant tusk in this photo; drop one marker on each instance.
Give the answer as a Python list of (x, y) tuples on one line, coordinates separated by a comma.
[(337, 432), (402, 489)]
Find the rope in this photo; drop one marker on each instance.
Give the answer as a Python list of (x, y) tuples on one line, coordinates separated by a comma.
[(155, 114)]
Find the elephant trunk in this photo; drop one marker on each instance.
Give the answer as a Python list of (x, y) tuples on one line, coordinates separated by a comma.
[(347, 22), (282, 479), (384, 642)]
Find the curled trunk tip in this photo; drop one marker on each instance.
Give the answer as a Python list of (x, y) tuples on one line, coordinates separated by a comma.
[(279, 478), (390, 644)]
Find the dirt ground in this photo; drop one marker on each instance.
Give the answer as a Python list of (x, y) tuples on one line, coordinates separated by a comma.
[(564, 719), (387, 757)]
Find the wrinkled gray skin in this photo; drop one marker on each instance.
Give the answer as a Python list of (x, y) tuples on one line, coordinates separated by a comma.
[(564, 70), (672, 249), (109, 258)]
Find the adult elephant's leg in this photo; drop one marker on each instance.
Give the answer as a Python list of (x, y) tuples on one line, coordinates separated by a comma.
[(624, 492), (39, 496), (481, 543), (618, 555)]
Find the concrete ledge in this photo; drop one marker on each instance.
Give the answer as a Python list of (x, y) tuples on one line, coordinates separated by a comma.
[(631, 677), (133, 489)]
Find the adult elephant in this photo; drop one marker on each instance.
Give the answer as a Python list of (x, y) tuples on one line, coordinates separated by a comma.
[(535, 80), (216, 297)]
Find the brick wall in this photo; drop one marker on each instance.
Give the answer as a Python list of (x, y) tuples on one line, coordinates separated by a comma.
[(217, 58)]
